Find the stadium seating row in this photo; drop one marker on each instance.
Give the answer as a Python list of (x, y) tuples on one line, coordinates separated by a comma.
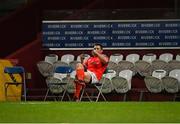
[(118, 81)]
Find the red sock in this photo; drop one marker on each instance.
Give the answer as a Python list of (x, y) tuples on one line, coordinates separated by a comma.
[(78, 90), (80, 74)]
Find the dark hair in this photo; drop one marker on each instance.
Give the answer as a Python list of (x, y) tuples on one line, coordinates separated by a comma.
[(98, 44)]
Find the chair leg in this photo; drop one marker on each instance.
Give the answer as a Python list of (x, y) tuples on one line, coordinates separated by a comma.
[(6, 86), (62, 97), (141, 96), (24, 92), (85, 93), (125, 96), (100, 93), (82, 94), (175, 96), (46, 94)]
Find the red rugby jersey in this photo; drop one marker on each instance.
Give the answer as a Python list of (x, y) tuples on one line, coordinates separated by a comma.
[(94, 65)]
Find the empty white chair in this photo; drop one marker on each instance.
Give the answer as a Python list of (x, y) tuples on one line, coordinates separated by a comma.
[(149, 57), (67, 58), (176, 74), (122, 83), (178, 57), (159, 74), (107, 82), (170, 84), (132, 58), (166, 57), (127, 74), (116, 58), (51, 58), (153, 84)]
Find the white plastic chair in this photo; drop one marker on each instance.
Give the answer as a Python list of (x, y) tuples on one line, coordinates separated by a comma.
[(166, 57), (122, 82), (127, 74), (107, 81), (178, 57), (55, 84), (153, 84), (176, 74), (116, 58), (159, 74), (132, 58), (67, 58), (51, 58), (170, 84), (149, 57)]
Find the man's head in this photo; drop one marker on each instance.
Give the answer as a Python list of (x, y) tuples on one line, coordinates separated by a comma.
[(98, 47)]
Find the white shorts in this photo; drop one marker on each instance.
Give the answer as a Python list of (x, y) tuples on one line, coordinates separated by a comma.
[(93, 77)]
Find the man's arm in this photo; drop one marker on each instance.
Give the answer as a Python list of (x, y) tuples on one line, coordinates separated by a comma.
[(102, 57)]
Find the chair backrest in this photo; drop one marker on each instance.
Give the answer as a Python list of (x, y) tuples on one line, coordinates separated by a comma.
[(125, 65), (120, 84), (170, 84), (14, 70), (149, 57), (109, 74), (159, 74), (86, 56), (73, 74), (153, 84), (132, 58), (59, 63), (127, 74), (175, 73), (45, 68), (116, 58), (63, 69), (174, 64), (160, 64), (144, 68), (178, 57), (107, 85), (51, 58), (166, 57), (67, 58), (112, 65)]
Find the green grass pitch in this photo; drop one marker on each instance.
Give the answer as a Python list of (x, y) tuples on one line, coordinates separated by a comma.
[(90, 112)]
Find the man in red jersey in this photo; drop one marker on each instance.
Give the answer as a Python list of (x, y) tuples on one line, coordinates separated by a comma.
[(91, 69)]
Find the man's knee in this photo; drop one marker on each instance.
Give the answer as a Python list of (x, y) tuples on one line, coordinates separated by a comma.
[(79, 66)]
